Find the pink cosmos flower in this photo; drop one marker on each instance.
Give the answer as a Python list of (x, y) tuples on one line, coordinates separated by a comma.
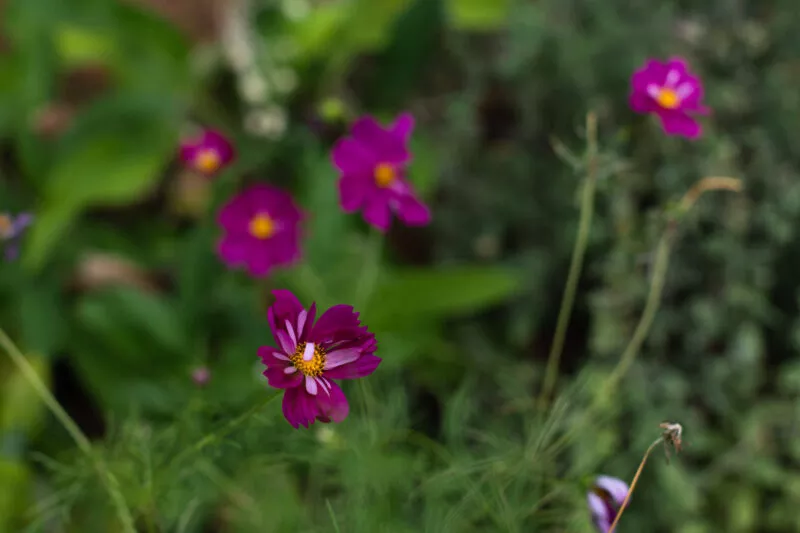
[(310, 356), (262, 230), (208, 153), (372, 163), (671, 92), (605, 499)]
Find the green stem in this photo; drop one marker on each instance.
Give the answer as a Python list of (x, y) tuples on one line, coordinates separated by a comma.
[(370, 270), (109, 480), (649, 312), (222, 432), (576, 264)]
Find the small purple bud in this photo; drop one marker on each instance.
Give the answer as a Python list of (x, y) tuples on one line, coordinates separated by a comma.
[(201, 376)]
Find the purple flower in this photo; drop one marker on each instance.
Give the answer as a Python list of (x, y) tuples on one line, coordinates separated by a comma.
[(605, 499), (207, 153), (310, 356), (670, 91), (262, 230), (11, 230), (372, 164)]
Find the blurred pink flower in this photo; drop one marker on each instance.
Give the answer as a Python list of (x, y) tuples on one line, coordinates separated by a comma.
[(208, 153), (671, 92), (311, 355), (262, 230), (605, 499), (372, 163)]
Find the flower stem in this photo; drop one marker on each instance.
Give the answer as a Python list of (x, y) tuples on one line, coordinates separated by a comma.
[(633, 484), (576, 264), (220, 433), (654, 295), (109, 480), (660, 273)]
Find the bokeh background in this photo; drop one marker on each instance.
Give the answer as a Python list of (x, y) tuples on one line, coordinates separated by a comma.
[(118, 297)]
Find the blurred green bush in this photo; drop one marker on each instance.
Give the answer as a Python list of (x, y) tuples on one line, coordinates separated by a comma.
[(120, 292)]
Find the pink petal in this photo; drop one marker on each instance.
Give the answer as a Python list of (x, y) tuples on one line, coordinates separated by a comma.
[(352, 193), (377, 212), (272, 356), (260, 260), (361, 367), (341, 357), (412, 212), (234, 250), (339, 323), (385, 146), (278, 378), (298, 407), (353, 158), (675, 123), (332, 406), (403, 126)]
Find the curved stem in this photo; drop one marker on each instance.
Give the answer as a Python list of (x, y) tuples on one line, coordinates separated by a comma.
[(217, 435), (633, 484), (109, 480), (576, 264)]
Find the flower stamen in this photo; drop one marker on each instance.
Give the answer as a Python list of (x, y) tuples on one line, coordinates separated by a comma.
[(384, 175), (668, 98), (207, 160), (262, 226), (309, 358)]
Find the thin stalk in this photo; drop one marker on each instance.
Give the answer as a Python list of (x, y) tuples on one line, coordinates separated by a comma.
[(633, 484), (220, 433), (576, 264), (108, 479), (654, 295)]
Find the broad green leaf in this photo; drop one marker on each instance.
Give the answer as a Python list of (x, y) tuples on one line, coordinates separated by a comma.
[(422, 293), (481, 15), (112, 159)]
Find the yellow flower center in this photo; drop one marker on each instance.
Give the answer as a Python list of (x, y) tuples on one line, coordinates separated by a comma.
[(6, 226), (668, 98), (207, 160), (312, 364), (384, 175), (262, 226)]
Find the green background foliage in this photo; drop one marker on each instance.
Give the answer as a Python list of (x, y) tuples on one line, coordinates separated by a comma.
[(118, 295)]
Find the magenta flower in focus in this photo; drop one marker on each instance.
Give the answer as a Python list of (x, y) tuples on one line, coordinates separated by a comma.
[(310, 356), (208, 153), (605, 499), (372, 163), (262, 230), (11, 230), (671, 92)]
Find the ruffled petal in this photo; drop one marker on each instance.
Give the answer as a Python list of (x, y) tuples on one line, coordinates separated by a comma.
[(361, 367), (332, 405), (385, 145), (339, 323), (298, 407), (283, 377)]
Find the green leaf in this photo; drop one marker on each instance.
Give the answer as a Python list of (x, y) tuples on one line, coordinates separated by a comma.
[(115, 156), (481, 15), (423, 294)]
